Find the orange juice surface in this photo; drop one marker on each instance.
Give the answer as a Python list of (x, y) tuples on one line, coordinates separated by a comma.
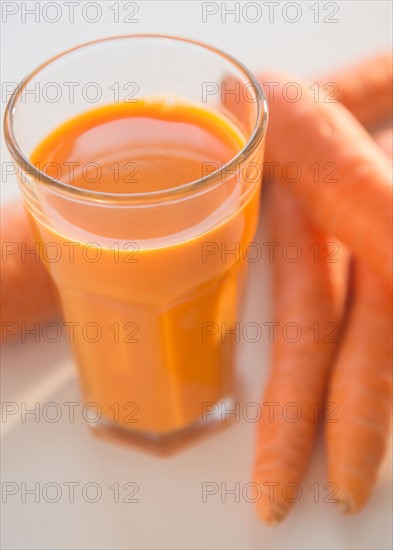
[(148, 296)]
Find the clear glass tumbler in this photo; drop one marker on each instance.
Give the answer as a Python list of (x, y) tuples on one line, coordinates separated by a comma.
[(150, 308)]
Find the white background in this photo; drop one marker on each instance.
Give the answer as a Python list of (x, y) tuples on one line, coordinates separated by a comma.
[(170, 513)]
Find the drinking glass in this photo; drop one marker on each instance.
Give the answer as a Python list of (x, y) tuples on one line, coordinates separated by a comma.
[(150, 282)]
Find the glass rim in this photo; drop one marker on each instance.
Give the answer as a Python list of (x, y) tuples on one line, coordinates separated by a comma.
[(257, 134)]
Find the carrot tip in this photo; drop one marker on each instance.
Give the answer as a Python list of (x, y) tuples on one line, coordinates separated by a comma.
[(273, 516), (345, 506), (273, 521)]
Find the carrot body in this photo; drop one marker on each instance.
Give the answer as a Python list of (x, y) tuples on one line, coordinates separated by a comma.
[(310, 293), (27, 292), (345, 179), (361, 386), (366, 89)]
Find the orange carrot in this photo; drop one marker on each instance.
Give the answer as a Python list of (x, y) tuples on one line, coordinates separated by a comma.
[(345, 179), (366, 89), (309, 295), (27, 293), (361, 386)]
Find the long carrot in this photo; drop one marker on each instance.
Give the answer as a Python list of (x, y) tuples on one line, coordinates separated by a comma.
[(308, 295), (345, 179), (361, 386), (27, 293), (366, 89)]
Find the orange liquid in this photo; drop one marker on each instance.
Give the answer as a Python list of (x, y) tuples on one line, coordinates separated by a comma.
[(140, 309)]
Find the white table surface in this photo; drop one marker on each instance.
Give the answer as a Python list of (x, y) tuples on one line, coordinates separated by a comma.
[(170, 513)]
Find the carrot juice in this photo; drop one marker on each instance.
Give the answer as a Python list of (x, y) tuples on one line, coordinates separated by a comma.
[(143, 230)]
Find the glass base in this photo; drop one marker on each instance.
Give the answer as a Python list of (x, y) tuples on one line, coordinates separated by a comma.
[(171, 442)]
